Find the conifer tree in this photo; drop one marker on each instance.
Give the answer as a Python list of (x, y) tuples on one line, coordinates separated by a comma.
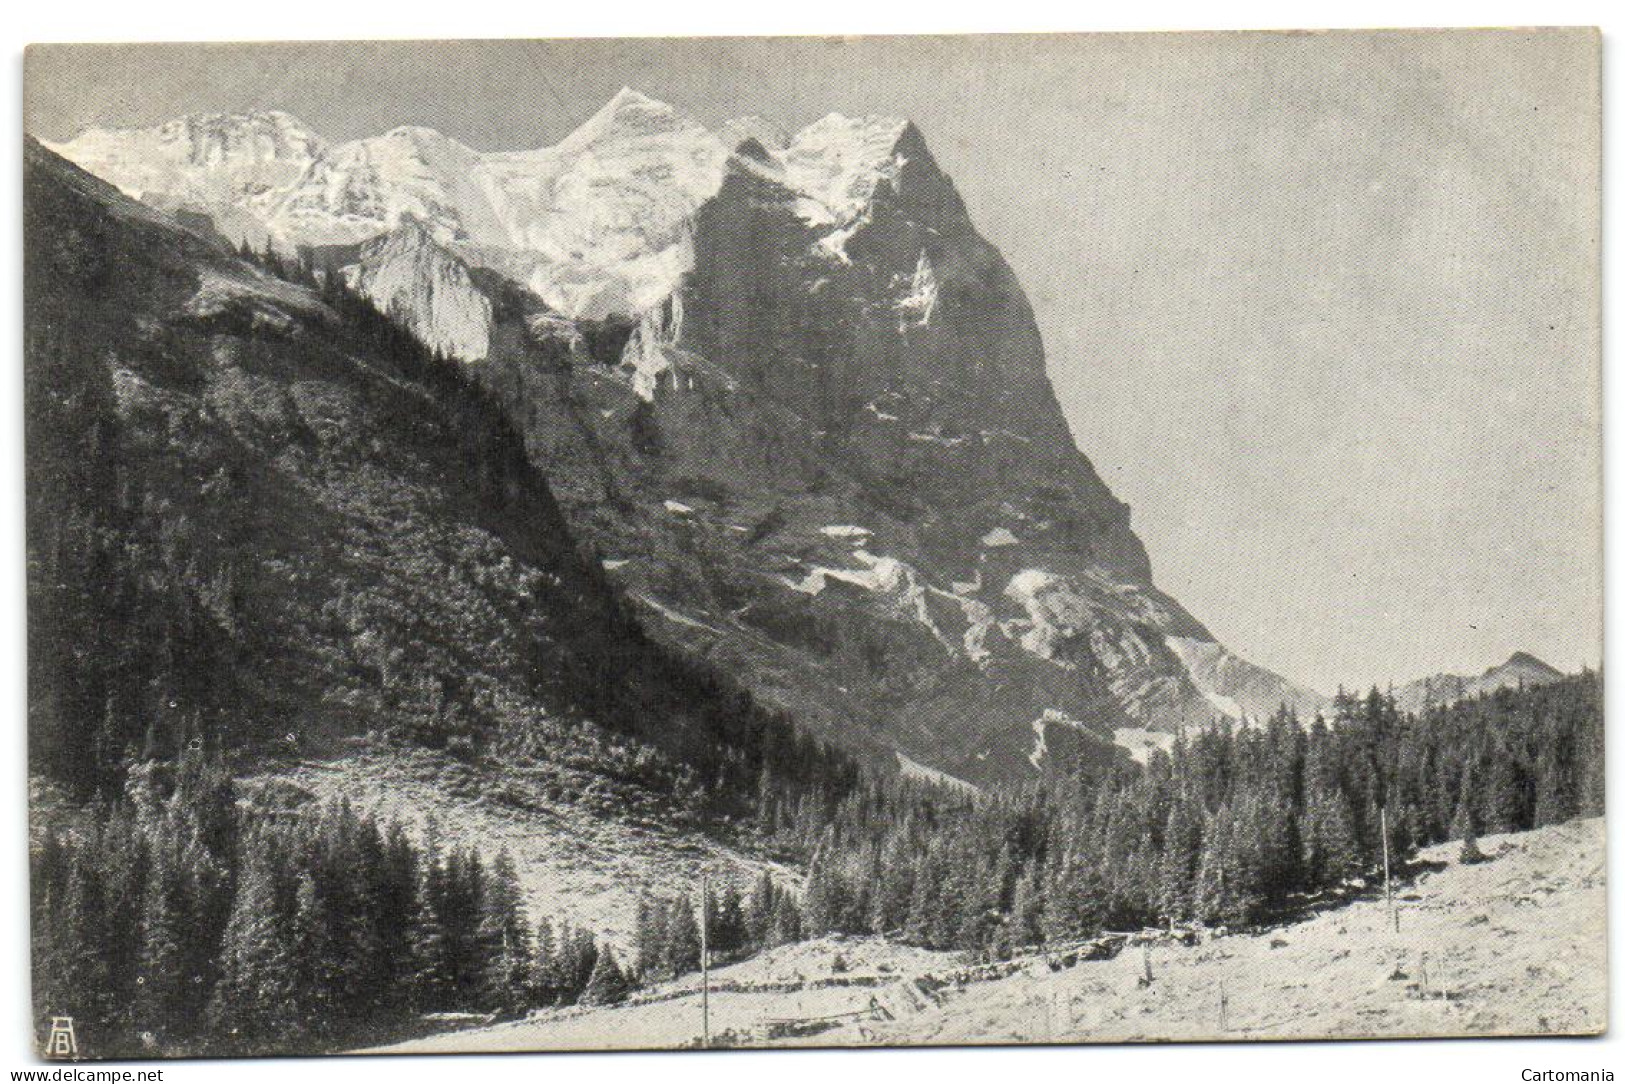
[(608, 984), (577, 957), (786, 921), (435, 973), (889, 902), (543, 982), (1180, 858), (79, 963), (682, 939), (254, 1004), (1461, 827), (1027, 909), (314, 995), (505, 940), (162, 978), (1330, 851), (759, 912), (728, 931), (926, 904), (392, 900), (648, 939), (1224, 894)]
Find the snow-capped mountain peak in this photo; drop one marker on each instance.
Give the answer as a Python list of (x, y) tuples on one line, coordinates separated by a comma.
[(813, 325), (233, 165), (836, 164), (417, 133), (630, 114), (360, 189), (207, 140), (600, 223)]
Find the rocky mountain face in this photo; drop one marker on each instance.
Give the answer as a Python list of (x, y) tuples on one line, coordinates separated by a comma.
[(410, 276), (264, 516), (1520, 669), (792, 400)]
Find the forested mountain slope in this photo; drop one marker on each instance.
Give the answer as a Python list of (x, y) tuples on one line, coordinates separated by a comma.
[(264, 516)]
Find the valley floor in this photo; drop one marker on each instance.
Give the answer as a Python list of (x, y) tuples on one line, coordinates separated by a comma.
[(1516, 945)]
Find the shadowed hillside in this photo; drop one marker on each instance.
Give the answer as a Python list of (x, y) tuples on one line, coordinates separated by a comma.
[(262, 515)]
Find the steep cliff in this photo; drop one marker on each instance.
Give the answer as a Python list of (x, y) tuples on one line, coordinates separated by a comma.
[(799, 409)]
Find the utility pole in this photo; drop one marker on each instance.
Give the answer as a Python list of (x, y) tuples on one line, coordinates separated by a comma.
[(705, 960), (1387, 872)]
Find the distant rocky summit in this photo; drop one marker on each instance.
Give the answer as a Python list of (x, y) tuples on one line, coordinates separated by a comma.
[(1521, 669)]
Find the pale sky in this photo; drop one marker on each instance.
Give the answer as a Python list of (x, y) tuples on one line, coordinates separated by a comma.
[(1321, 307)]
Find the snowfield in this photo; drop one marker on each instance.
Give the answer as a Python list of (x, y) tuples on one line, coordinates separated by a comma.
[(599, 223)]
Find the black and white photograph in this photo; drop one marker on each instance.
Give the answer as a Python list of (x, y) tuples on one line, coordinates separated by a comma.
[(684, 544)]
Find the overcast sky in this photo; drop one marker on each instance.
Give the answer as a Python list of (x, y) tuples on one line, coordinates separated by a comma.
[(1321, 308)]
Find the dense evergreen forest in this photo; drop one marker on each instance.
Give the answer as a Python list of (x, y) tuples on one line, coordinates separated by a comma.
[(1232, 827), (184, 920), (181, 921)]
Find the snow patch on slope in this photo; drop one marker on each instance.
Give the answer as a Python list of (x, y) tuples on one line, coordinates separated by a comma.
[(1140, 742), (916, 306), (978, 615), (837, 163), (673, 615), (1050, 717), (978, 623), (882, 575), (647, 355), (832, 245), (1055, 612)]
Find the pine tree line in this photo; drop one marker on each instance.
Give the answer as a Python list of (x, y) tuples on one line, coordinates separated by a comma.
[(1230, 827), (667, 935), (175, 921), (179, 920)]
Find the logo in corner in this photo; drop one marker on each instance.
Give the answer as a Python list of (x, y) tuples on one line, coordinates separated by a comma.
[(61, 1042)]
